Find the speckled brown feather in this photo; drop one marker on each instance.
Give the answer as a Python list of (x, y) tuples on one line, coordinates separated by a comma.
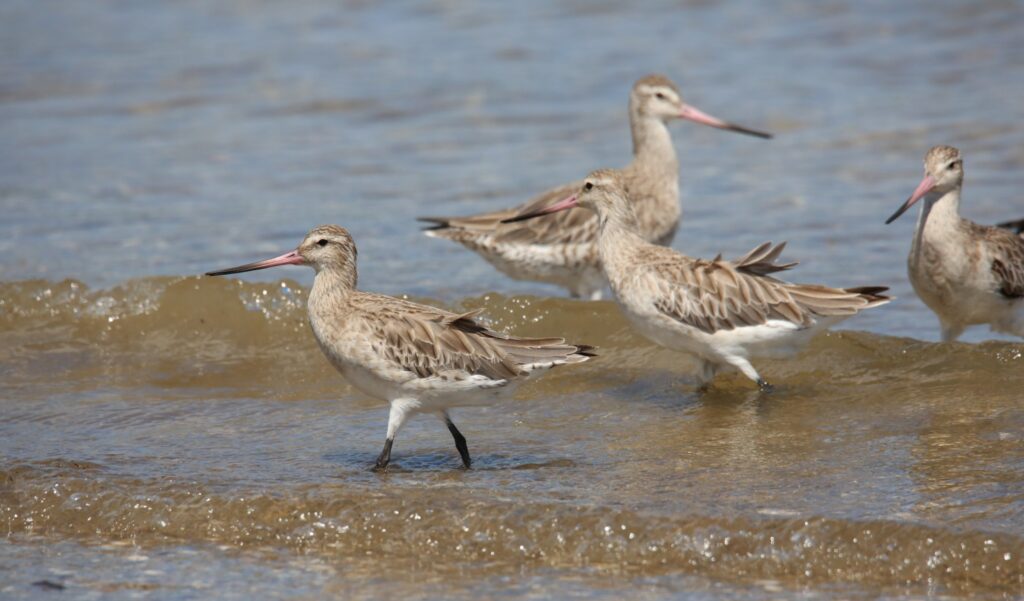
[(559, 228), (723, 295), (1006, 250), (432, 342), (566, 227)]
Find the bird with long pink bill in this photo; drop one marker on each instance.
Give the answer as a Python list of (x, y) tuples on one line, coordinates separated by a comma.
[(967, 274), (562, 249), (724, 313), (419, 358)]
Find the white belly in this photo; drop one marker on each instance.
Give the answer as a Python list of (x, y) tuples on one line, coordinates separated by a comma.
[(776, 338)]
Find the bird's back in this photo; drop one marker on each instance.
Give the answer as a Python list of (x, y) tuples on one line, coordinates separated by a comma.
[(402, 340), (719, 295)]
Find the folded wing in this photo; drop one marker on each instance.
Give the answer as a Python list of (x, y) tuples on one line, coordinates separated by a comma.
[(431, 342), (566, 227), (1007, 252), (722, 295)]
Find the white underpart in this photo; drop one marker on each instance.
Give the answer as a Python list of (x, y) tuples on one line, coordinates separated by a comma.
[(564, 265), (961, 293), (729, 349), (409, 394)]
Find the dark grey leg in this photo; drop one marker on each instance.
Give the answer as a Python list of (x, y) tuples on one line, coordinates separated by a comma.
[(460, 442), (385, 455), (764, 385)]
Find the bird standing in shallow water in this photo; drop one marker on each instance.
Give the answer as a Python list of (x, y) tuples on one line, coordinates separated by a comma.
[(417, 357), (562, 249), (966, 273), (723, 312)]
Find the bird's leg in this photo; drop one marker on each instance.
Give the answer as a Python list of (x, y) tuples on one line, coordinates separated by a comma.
[(400, 409), (950, 331), (748, 370), (590, 286), (707, 372), (385, 456), (460, 441)]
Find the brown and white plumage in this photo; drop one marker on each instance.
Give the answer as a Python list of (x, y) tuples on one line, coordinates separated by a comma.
[(966, 273), (417, 357), (720, 295), (724, 312), (562, 249)]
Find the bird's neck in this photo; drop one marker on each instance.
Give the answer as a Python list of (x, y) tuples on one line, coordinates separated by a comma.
[(618, 229), (653, 151), (940, 214), (333, 283)]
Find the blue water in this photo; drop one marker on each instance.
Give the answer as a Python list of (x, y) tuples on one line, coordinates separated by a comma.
[(145, 138)]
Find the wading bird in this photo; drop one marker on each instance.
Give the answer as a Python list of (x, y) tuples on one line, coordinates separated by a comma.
[(725, 313), (562, 249), (418, 358), (966, 273)]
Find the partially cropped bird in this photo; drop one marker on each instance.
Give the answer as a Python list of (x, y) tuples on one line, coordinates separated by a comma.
[(562, 249), (966, 273), (419, 358), (724, 313)]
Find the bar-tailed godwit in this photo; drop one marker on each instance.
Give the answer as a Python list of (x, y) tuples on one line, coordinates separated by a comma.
[(966, 273), (416, 357), (562, 249), (723, 312)]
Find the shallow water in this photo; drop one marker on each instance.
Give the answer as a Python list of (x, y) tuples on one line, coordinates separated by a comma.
[(180, 437)]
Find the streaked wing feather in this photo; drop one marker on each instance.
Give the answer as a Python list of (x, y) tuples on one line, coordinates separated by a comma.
[(432, 342), (723, 295), (1007, 252), (565, 227)]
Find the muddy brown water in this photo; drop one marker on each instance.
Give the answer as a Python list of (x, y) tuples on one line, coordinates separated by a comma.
[(175, 414), (171, 436)]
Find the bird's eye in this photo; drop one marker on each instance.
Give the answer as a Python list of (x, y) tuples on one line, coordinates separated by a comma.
[(952, 166), (660, 96), (321, 242), (588, 186)]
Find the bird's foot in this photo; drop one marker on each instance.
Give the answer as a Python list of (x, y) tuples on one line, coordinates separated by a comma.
[(385, 457), (764, 386)]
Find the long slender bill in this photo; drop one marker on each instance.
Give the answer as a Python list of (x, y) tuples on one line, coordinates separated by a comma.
[(289, 258), (561, 205), (698, 116), (926, 184)]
